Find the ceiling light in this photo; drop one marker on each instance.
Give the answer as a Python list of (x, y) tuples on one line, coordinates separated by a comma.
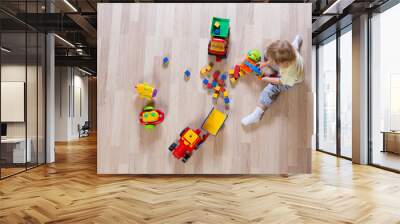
[(338, 6), (5, 50), (65, 41), (331, 7), (70, 5), (84, 71)]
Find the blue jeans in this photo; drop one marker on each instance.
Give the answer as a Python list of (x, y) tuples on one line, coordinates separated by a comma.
[(270, 93)]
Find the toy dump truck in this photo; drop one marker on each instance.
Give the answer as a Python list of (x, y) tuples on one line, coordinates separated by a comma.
[(218, 45), (191, 139)]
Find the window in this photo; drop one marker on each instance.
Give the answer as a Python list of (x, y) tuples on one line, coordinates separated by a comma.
[(385, 89), (22, 101), (346, 93), (326, 136)]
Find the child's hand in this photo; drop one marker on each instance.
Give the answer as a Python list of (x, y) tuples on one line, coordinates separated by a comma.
[(262, 64), (265, 79)]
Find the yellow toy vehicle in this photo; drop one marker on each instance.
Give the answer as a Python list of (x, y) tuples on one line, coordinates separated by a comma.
[(214, 121), (146, 91)]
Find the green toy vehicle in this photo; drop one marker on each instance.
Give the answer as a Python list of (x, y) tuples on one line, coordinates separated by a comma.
[(218, 45)]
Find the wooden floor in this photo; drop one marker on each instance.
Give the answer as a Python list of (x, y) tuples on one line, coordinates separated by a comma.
[(182, 31), (69, 191)]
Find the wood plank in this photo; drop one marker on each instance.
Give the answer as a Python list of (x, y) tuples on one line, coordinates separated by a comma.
[(133, 38), (70, 191)]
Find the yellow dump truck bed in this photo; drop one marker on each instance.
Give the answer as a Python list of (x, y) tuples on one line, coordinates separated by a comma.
[(214, 121)]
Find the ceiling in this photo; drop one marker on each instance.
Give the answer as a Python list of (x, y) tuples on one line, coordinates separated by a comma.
[(75, 22)]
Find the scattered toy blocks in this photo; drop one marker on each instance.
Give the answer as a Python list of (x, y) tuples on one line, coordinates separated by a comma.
[(223, 76), (187, 74), (165, 61), (206, 69), (226, 100), (216, 75)]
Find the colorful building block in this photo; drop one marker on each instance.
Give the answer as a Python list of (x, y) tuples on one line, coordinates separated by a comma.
[(222, 89), (224, 76), (221, 82), (226, 94), (216, 75), (206, 69), (236, 71), (209, 85), (215, 95), (205, 81), (217, 88), (187, 73), (233, 81), (165, 61), (217, 24), (214, 83), (226, 100)]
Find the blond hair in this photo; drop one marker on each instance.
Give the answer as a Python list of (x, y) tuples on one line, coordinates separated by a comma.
[(281, 51)]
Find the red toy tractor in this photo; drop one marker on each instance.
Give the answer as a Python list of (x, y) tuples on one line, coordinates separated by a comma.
[(189, 140)]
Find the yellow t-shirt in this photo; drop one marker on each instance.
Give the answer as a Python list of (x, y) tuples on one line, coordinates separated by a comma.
[(294, 73)]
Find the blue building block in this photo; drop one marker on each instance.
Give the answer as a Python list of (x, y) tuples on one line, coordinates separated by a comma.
[(224, 76), (214, 83), (165, 60), (226, 100), (255, 69), (187, 73), (205, 81)]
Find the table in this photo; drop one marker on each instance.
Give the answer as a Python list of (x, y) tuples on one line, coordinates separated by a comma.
[(15, 148), (391, 141)]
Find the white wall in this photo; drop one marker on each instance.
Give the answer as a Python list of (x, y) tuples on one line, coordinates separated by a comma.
[(70, 83)]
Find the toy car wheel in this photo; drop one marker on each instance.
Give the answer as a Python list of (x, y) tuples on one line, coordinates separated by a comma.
[(199, 145), (149, 126), (172, 147), (186, 158)]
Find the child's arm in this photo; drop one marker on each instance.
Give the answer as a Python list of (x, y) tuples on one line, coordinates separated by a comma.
[(273, 80), (264, 64)]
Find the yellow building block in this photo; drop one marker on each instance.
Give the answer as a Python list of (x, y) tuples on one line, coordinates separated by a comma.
[(226, 94), (215, 95), (233, 80), (217, 24), (241, 73), (206, 69), (231, 71), (217, 88)]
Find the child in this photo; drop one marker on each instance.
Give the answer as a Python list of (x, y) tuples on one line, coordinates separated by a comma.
[(284, 58)]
